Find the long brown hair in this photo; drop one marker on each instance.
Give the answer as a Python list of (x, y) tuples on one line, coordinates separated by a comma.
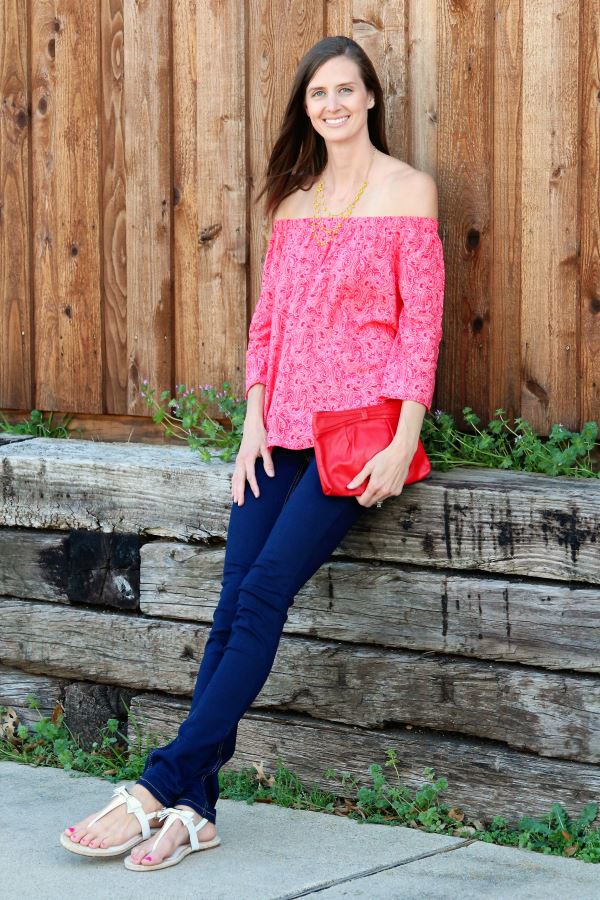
[(299, 153)]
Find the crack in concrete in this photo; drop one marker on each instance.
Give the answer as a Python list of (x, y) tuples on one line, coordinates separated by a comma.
[(365, 873)]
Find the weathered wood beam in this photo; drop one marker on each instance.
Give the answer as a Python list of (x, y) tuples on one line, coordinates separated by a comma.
[(517, 523), (485, 778), (548, 713), (16, 686), (547, 624), (71, 567)]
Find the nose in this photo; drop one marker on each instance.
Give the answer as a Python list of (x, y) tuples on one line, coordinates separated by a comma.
[(333, 104)]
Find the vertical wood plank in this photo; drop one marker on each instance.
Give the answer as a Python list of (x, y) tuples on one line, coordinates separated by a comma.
[(423, 76), (549, 222), (380, 27), (465, 100), (210, 192), (114, 214), (338, 18), (505, 285), (188, 163), (279, 33), (66, 267), (147, 92), (16, 336), (589, 213)]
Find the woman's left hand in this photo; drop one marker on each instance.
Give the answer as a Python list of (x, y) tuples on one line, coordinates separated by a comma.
[(387, 470)]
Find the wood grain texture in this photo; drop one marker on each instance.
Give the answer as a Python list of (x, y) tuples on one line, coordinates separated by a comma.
[(548, 713), (148, 153), (380, 28), (7, 438), (210, 235), (506, 236), (588, 248), (546, 624), (114, 178), (484, 778), (515, 523), (34, 564), (549, 270), (66, 215), (173, 495), (16, 314), (423, 85), (76, 567), (16, 686), (138, 429), (465, 118), (527, 524), (338, 17)]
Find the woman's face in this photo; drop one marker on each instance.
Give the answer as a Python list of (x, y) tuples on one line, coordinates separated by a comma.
[(337, 92)]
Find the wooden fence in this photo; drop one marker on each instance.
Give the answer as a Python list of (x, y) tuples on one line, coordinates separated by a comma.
[(133, 139)]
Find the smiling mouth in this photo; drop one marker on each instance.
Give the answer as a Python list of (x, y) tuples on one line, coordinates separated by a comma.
[(335, 123)]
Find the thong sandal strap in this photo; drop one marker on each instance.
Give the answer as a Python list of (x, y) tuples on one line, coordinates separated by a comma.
[(121, 795), (171, 814)]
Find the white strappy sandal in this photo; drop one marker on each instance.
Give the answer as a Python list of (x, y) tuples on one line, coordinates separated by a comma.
[(172, 814), (121, 795)]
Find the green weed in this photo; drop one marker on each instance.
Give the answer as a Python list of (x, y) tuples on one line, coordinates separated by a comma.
[(38, 426)]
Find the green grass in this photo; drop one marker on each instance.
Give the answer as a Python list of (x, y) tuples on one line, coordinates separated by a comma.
[(385, 801)]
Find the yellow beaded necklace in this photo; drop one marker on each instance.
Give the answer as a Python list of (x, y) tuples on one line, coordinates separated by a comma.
[(320, 210)]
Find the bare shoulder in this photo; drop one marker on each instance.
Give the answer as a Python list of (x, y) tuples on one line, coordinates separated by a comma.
[(291, 206), (410, 192)]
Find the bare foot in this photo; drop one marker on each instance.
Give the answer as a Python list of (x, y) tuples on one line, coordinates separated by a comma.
[(118, 825), (176, 835)]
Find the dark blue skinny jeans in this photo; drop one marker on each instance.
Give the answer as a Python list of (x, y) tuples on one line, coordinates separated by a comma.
[(275, 543)]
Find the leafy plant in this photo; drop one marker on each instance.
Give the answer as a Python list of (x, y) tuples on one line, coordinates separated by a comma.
[(501, 446), (185, 416), (38, 426), (50, 742)]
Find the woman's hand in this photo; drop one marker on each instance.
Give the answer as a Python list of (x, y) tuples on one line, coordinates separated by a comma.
[(253, 445), (388, 470)]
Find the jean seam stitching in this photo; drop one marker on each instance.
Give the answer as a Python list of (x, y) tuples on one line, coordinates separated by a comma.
[(203, 779), (295, 481), (216, 765)]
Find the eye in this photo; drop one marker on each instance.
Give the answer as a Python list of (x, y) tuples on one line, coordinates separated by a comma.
[(342, 89)]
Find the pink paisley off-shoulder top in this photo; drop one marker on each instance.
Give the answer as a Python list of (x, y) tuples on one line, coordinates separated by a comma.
[(345, 325)]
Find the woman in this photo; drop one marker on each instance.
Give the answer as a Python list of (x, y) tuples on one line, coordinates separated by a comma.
[(349, 313)]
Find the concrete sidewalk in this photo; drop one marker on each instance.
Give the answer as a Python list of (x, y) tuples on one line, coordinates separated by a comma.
[(267, 852)]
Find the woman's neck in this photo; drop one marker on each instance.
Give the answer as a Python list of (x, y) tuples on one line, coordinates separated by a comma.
[(346, 168)]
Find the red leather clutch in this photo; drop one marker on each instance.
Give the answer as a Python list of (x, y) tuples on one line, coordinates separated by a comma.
[(346, 439)]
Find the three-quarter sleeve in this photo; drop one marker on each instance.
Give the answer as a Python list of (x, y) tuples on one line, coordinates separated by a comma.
[(259, 333), (410, 369)]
